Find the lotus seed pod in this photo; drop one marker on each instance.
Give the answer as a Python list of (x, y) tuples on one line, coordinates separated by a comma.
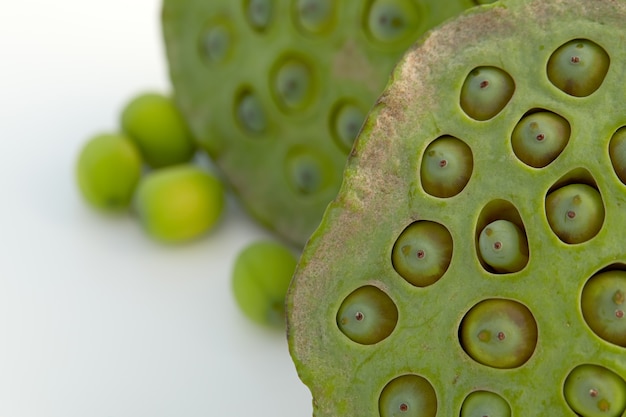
[(503, 246), (617, 152), (486, 91), (575, 212), (475, 329), (595, 391), (485, 403), (539, 138), (578, 67), (603, 304), (408, 395), (367, 315), (446, 167), (422, 253)]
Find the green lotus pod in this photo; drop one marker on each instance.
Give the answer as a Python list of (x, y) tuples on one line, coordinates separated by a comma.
[(503, 246), (617, 152), (485, 403), (410, 396), (258, 78), (446, 167), (603, 302), (539, 138), (486, 91), (518, 335), (595, 391)]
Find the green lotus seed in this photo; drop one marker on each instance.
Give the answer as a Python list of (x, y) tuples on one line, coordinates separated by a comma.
[(578, 67), (617, 152), (575, 212), (259, 13), (108, 169), (346, 122), (367, 316), (260, 279), (392, 20), (422, 253), (315, 16), (408, 396), (485, 404), (499, 333), (250, 113), (216, 42), (307, 172), (293, 84), (539, 138), (155, 124), (485, 92), (503, 246), (179, 203), (595, 391), (603, 305), (446, 167)]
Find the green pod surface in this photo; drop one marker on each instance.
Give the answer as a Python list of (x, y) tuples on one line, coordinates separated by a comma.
[(529, 334)]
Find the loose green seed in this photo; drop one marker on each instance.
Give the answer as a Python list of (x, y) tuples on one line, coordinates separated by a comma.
[(617, 152), (499, 333), (575, 212), (315, 16), (155, 124), (595, 391), (503, 246), (392, 20), (216, 42), (346, 122), (422, 253), (250, 113), (260, 279), (539, 138), (446, 167), (367, 315), (108, 169), (578, 67), (293, 84), (485, 404), (179, 203), (603, 304), (408, 396), (307, 172), (485, 92), (259, 13)]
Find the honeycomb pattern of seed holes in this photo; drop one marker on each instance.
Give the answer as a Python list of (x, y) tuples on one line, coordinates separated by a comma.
[(216, 41), (499, 333), (578, 67), (292, 83), (315, 16), (595, 391), (485, 403), (308, 171), (617, 153), (446, 167), (408, 395), (259, 13), (603, 304), (485, 92), (367, 316), (249, 112), (575, 212), (346, 120), (390, 21), (540, 137), (422, 253)]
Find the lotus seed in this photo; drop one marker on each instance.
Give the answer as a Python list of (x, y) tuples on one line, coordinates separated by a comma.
[(392, 20), (412, 395), (216, 42), (485, 92), (259, 13), (602, 304), (315, 16), (503, 246), (485, 404), (595, 391), (539, 138), (346, 122), (617, 152), (293, 84), (446, 167), (307, 172), (250, 113)]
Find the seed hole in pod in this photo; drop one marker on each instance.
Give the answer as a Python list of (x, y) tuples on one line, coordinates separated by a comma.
[(292, 83), (485, 92), (259, 13), (595, 391), (392, 21), (308, 171), (485, 404), (315, 16), (422, 253), (540, 137), (250, 113), (499, 333), (617, 152), (346, 120), (408, 395), (575, 212), (367, 316), (447, 166), (578, 67), (603, 304), (216, 41)]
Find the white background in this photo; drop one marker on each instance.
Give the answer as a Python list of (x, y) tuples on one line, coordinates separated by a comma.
[(95, 318)]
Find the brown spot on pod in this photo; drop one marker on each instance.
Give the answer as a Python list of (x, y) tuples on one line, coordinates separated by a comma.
[(485, 92), (595, 391), (446, 167), (408, 395), (603, 305)]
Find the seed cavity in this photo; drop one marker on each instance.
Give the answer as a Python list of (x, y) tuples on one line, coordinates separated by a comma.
[(503, 246), (250, 113), (216, 41), (499, 333), (446, 167), (315, 16), (292, 83), (309, 172), (422, 253), (617, 153), (578, 67), (485, 404), (540, 137), (602, 304), (346, 120), (595, 391), (411, 395), (392, 21), (259, 13), (367, 316), (485, 92)]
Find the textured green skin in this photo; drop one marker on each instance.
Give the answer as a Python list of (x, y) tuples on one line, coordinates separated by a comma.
[(346, 64), (381, 195)]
